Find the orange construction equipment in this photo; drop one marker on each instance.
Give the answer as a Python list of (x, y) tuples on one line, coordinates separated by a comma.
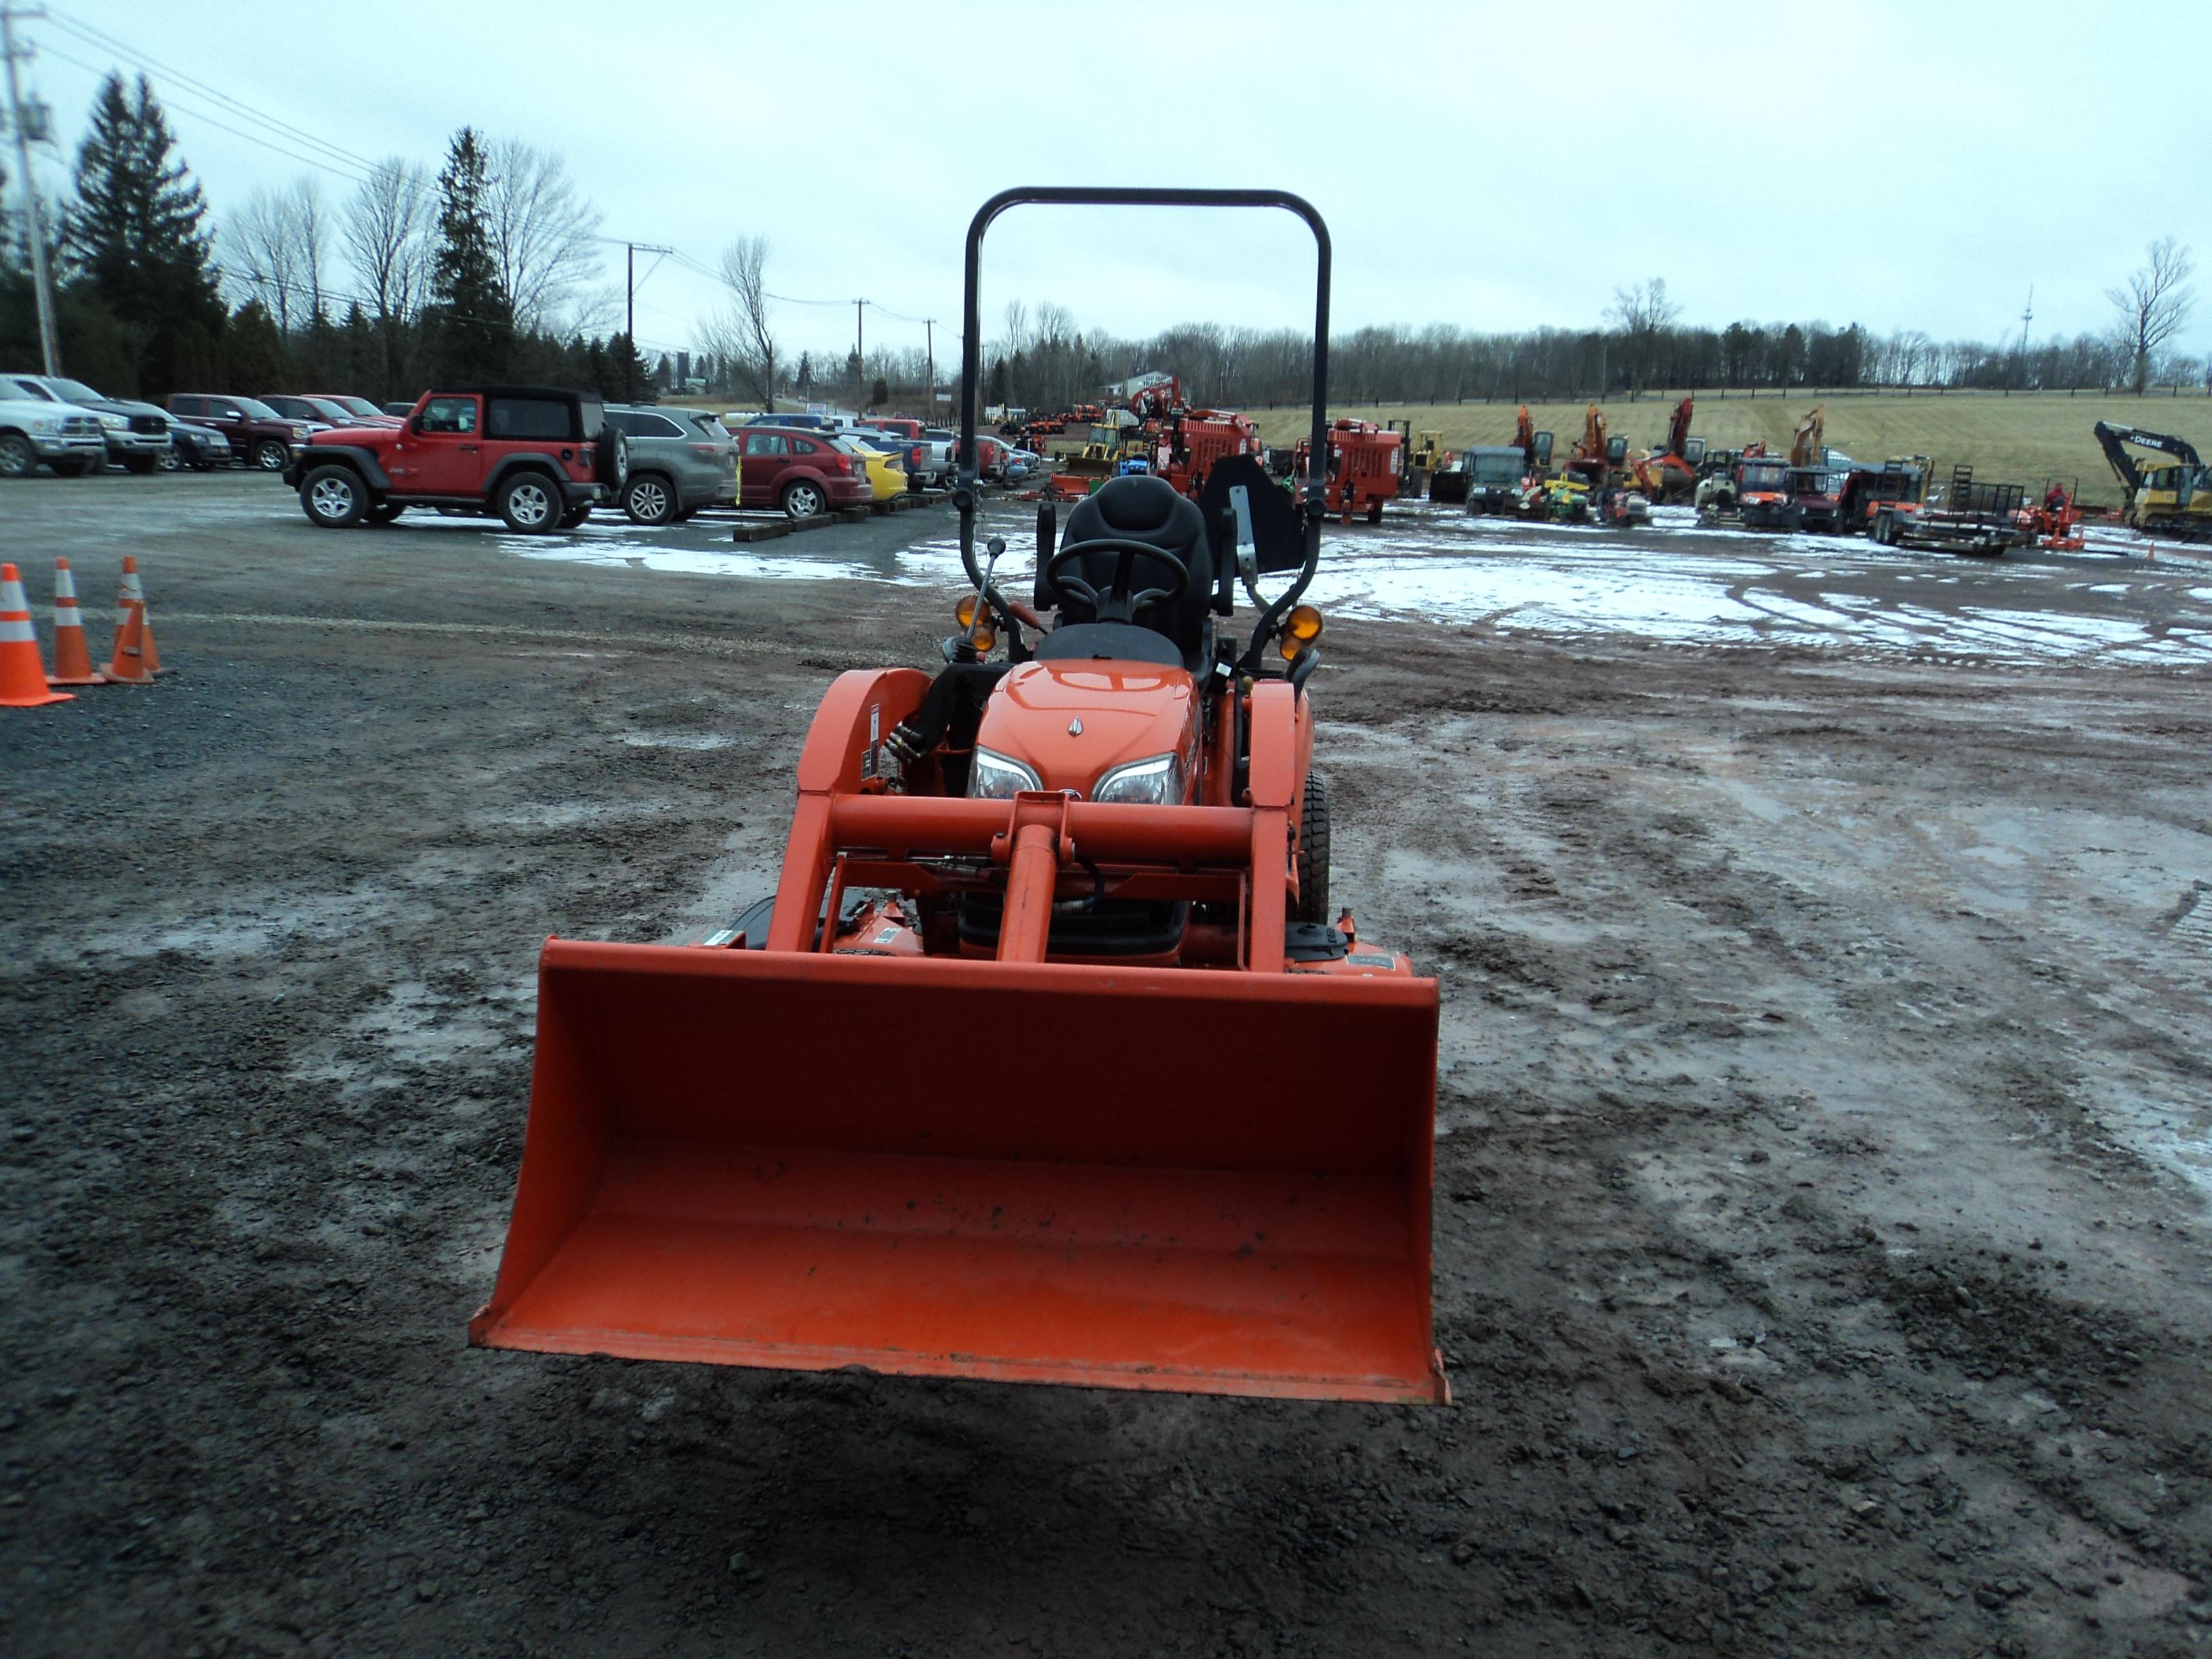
[(2056, 519), (72, 660), (1672, 474), (1045, 1063), (22, 677), (1365, 466), (130, 607)]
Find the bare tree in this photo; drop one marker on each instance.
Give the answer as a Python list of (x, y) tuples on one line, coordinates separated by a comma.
[(1643, 313), (279, 242), (2153, 304), (1017, 337), (260, 254), (386, 236), (1643, 308), (311, 236), (743, 335), (542, 234), (1055, 324)]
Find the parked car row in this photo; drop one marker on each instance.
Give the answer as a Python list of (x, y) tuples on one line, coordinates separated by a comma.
[(926, 452), (42, 422)]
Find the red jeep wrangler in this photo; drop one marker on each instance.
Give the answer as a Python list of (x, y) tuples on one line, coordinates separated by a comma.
[(537, 457)]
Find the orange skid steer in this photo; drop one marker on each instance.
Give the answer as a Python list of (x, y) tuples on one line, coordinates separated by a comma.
[(1045, 1063)]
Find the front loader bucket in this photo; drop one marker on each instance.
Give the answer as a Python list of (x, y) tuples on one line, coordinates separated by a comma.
[(1141, 1178)]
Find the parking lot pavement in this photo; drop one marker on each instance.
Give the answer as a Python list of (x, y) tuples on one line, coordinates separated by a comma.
[(1822, 1230)]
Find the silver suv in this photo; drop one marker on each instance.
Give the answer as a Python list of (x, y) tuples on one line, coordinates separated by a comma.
[(680, 460)]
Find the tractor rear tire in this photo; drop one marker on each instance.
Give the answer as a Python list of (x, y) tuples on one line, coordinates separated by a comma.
[(1313, 853)]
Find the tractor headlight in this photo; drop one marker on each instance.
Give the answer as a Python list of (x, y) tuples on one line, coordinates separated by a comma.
[(994, 776), (1154, 782)]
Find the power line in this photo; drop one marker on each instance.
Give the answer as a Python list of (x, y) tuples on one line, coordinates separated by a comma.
[(285, 138), (145, 62)]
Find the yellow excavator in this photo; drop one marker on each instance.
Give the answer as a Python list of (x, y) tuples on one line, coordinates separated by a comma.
[(2174, 499)]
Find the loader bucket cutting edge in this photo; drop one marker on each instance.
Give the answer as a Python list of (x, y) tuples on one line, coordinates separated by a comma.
[(1166, 1179)]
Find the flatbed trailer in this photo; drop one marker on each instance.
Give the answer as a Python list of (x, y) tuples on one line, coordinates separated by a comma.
[(1979, 520)]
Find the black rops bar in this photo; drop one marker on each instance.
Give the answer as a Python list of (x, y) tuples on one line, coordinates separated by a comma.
[(971, 344)]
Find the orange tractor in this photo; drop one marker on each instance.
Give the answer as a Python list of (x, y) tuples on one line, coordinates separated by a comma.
[(1047, 1061)]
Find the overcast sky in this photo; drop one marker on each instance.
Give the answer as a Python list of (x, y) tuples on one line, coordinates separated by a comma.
[(1494, 168)]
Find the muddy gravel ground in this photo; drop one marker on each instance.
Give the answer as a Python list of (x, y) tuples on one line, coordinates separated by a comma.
[(1821, 1235)]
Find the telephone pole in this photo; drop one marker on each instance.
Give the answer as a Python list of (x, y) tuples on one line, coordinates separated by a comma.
[(629, 309), (20, 122), (859, 356), (929, 399)]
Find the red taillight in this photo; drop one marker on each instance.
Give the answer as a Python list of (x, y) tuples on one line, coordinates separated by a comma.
[(706, 449), (844, 462)]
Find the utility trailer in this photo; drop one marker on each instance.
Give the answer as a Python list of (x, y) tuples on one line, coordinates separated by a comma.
[(1980, 521)]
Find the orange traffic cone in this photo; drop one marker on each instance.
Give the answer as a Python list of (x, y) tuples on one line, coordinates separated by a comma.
[(22, 676), (131, 600), (72, 661), (127, 667)]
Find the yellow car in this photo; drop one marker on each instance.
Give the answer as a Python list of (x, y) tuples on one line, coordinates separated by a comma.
[(886, 469)]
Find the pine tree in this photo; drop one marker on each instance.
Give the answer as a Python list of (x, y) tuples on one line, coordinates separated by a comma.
[(472, 317), (629, 375), (138, 234), (253, 351)]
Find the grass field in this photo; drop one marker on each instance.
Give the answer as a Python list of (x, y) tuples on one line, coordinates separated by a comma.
[(2028, 438)]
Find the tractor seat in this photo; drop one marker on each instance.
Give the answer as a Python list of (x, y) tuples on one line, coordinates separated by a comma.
[(1152, 511)]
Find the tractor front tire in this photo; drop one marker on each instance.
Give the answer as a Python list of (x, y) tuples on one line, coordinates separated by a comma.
[(1312, 853)]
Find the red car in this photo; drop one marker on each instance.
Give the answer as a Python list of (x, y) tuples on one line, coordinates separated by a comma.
[(538, 457), (802, 472), (361, 412)]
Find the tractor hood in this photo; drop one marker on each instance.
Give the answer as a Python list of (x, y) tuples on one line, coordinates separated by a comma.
[(1071, 722)]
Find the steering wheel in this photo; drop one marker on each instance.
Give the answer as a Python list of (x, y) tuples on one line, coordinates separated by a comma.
[(1116, 604)]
